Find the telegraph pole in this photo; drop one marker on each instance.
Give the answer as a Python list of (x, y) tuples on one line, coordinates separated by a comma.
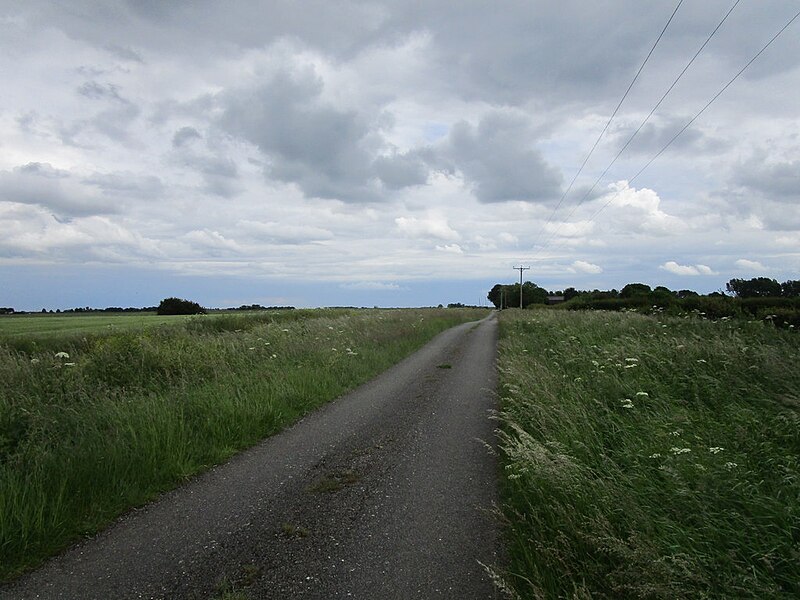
[(520, 269)]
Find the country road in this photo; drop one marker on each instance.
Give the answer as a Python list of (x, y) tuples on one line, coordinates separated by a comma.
[(383, 493)]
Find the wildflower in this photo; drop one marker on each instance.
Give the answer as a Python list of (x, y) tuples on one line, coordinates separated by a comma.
[(701, 360), (643, 394), (635, 360), (334, 349), (578, 379), (34, 361), (274, 356), (730, 465), (69, 364), (715, 449), (595, 363), (285, 330), (675, 433), (656, 455), (631, 366), (627, 403), (251, 348), (676, 450), (62, 355)]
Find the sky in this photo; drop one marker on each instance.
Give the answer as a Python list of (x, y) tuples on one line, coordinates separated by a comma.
[(398, 153)]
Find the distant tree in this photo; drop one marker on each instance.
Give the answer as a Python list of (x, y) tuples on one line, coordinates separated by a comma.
[(758, 287), (6, 310), (509, 295), (662, 289), (635, 289), (570, 293), (686, 294), (791, 288), (178, 306)]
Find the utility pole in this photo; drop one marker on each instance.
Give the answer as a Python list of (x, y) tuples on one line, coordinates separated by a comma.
[(520, 269)]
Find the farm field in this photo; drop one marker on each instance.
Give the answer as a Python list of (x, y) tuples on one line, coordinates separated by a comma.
[(649, 456), (91, 425), (33, 325)]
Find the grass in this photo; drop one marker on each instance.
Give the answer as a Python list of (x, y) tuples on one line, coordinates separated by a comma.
[(91, 425), (649, 456)]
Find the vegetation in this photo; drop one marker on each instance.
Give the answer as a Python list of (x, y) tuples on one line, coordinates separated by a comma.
[(758, 298), (93, 424), (650, 456), (178, 306)]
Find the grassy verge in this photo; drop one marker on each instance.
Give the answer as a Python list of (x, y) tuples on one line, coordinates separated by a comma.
[(114, 419), (650, 457)]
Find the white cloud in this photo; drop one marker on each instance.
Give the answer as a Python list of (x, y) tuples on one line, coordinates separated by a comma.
[(750, 265), (582, 266), (372, 285), (428, 227), (451, 248)]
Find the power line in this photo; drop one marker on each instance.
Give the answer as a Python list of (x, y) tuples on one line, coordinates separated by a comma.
[(611, 118), (646, 119), (700, 112)]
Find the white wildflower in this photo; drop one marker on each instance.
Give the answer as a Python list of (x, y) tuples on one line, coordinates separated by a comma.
[(62, 355), (656, 455), (715, 449), (731, 465), (632, 360), (643, 394), (285, 330), (631, 366), (701, 360), (675, 433), (676, 450), (34, 361), (69, 364), (626, 403), (595, 363), (274, 356)]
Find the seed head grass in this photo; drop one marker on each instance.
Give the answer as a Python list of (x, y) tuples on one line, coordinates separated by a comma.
[(91, 425), (649, 456)]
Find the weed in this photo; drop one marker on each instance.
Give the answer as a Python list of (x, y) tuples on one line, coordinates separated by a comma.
[(649, 456), (134, 412)]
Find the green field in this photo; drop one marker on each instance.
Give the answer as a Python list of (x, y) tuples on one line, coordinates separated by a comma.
[(650, 456), (37, 324), (95, 420)]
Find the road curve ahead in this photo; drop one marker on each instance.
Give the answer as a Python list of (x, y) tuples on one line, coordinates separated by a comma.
[(383, 493)]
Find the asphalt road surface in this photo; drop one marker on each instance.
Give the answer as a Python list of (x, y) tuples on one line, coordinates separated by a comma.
[(383, 493)]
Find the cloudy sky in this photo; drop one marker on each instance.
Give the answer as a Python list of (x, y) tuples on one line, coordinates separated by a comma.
[(390, 153)]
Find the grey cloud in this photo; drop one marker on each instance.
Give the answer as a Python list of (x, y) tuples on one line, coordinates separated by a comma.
[(41, 184), (499, 160), (220, 173), (397, 171), (184, 135), (327, 152), (657, 134), (776, 180), (98, 91), (125, 53), (127, 185)]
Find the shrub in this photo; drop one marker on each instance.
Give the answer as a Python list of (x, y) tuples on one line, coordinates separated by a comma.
[(177, 306)]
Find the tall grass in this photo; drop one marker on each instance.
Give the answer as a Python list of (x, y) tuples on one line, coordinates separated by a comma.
[(114, 419), (650, 457)]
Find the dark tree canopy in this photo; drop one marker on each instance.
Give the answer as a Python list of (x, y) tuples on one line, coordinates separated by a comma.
[(178, 306), (509, 295), (758, 287), (635, 289)]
